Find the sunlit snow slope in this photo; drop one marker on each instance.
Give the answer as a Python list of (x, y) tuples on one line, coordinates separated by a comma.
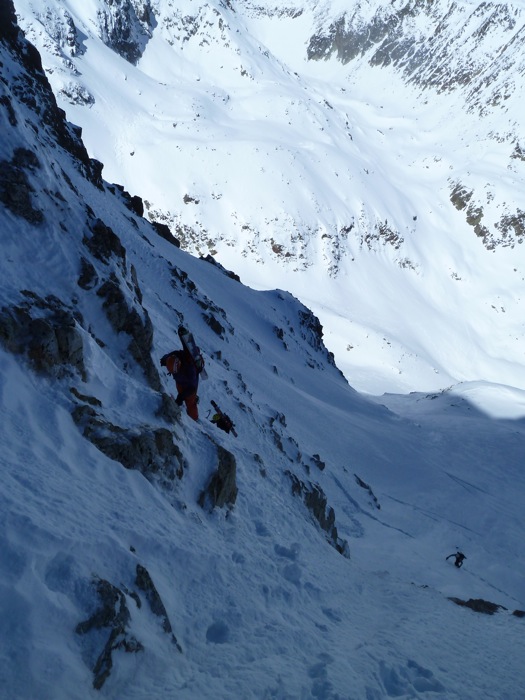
[(370, 161)]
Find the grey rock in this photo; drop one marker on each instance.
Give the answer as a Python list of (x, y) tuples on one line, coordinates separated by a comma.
[(16, 192), (88, 278), (222, 489), (146, 449), (128, 320), (125, 26), (113, 614), (52, 342), (315, 500), (144, 582), (479, 605), (104, 242)]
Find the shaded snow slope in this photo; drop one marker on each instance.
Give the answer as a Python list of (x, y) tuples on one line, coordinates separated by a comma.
[(369, 161), (261, 601)]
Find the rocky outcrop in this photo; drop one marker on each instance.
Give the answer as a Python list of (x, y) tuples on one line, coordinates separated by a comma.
[(114, 614), (373, 499), (144, 582), (67, 40), (123, 316), (229, 273), (312, 333), (485, 606), (104, 244), (16, 192), (29, 87), (125, 26), (222, 489), (127, 319), (47, 333), (509, 230), (147, 449), (315, 500), (9, 30), (434, 44), (164, 231), (479, 605), (133, 202)]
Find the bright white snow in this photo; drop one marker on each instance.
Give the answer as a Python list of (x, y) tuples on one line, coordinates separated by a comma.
[(276, 157)]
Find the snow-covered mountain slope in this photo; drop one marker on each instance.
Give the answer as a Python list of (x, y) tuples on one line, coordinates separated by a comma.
[(369, 160), (318, 571)]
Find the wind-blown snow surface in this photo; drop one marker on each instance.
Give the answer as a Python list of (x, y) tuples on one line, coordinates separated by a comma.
[(261, 604), (333, 181)]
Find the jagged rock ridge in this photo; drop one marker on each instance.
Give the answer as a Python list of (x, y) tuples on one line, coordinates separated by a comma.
[(95, 315)]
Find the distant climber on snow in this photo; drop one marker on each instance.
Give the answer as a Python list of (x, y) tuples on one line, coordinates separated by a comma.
[(222, 420), (459, 559), (185, 366)]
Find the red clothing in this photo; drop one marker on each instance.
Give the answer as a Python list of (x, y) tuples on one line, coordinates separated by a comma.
[(182, 368), (191, 403)]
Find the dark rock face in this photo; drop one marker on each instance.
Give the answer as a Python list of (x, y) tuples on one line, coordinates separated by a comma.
[(312, 332), (374, 502), (232, 275), (214, 324), (125, 26), (164, 232), (105, 246), (68, 35), (104, 243), (433, 44), (149, 450), (114, 615), (31, 88), (16, 192), (510, 229), (88, 278), (126, 319), (222, 489), (134, 203), (47, 333), (51, 332), (315, 500), (9, 30), (313, 329), (479, 605), (145, 583)]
